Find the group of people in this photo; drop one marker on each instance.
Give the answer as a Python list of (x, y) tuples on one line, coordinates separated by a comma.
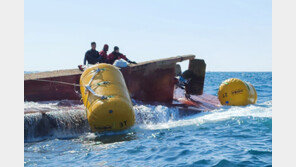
[(92, 56)]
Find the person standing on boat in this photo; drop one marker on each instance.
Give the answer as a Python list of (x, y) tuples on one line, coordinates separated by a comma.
[(103, 54), (92, 56), (116, 55)]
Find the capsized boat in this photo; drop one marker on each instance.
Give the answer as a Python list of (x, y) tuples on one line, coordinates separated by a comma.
[(149, 82)]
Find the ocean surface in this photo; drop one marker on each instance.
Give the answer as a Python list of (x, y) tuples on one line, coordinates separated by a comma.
[(229, 136)]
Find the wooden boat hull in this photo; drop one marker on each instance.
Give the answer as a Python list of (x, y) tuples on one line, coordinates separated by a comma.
[(151, 81)]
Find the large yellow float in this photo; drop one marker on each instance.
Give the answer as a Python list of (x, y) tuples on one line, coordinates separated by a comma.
[(106, 98), (236, 92)]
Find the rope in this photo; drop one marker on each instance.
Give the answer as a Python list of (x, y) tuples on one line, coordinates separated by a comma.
[(103, 83), (67, 83), (87, 87), (60, 82)]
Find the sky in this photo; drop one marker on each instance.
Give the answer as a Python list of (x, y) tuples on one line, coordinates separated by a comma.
[(230, 35)]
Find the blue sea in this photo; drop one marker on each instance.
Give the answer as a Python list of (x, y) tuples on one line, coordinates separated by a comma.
[(229, 136)]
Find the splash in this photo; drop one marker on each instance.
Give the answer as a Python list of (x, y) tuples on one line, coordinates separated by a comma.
[(227, 112), (50, 120), (65, 121), (63, 105), (150, 114)]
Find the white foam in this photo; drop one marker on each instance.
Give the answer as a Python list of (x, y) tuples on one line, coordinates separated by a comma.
[(151, 117), (63, 105), (227, 112), (149, 114)]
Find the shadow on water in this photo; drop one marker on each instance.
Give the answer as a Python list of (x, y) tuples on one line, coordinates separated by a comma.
[(110, 137)]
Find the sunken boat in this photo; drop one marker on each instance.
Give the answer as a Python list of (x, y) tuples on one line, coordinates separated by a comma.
[(148, 82)]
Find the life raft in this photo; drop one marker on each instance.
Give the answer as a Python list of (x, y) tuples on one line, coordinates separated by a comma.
[(106, 98)]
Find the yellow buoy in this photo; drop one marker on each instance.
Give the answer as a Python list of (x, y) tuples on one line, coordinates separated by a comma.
[(236, 92), (106, 98)]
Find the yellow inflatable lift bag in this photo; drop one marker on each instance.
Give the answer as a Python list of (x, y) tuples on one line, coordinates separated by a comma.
[(106, 98), (236, 92)]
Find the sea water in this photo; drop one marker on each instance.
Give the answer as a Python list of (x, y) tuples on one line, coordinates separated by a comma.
[(229, 136)]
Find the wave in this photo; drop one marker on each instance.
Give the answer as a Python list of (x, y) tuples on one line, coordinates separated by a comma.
[(260, 152), (66, 121), (263, 110), (55, 124)]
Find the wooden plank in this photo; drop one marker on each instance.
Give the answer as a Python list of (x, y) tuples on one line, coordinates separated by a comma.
[(50, 74), (68, 72)]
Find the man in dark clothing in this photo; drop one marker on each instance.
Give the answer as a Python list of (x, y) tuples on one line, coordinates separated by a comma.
[(103, 54), (92, 56), (116, 55)]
